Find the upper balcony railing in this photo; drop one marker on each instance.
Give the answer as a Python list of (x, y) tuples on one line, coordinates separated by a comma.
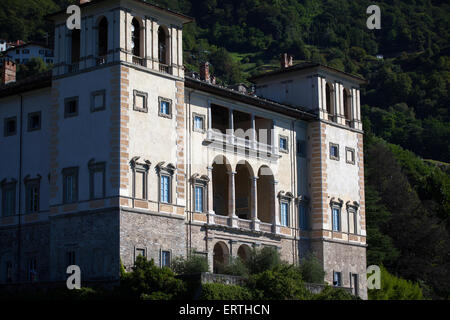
[(164, 68), (101, 60), (139, 61), (230, 142)]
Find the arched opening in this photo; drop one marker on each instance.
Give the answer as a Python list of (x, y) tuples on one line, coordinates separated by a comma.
[(266, 195), (220, 171), (136, 37), (103, 38), (162, 46), (347, 107), (329, 101), (243, 190), (75, 46), (244, 252), (221, 256)]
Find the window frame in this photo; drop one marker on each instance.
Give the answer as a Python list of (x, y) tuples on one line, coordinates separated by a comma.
[(137, 249), (352, 150), (352, 208), (12, 187), (68, 114), (332, 157), (95, 167), (282, 203), (169, 187), (202, 209), (161, 258), (201, 116), (165, 115), (29, 121), (338, 283), (140, 168), (95, 94), (137, 93), (5, 126), (165, 171), (70, 171), (283, 137), (28, 184)]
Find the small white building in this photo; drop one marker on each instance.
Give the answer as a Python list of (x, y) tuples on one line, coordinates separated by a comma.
[(21, 54)]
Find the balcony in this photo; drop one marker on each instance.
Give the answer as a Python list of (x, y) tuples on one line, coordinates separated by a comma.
[(164, 68), (139, 61), (74, 67), (232, 143)]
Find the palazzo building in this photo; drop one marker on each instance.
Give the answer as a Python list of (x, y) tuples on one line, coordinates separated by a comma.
[(117, 152)]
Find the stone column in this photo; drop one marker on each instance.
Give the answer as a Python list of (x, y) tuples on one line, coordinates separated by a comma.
[(232, 199), (272, 138), (253, 143), (231, 126), (210, 191), (254, 203), (276, 209)]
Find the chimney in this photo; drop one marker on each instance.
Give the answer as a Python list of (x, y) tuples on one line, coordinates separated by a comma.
[(287, 60), (8, 72), (204, 72)]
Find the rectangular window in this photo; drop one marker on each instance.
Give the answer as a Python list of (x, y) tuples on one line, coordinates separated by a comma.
[(284, 213), (165, 189), (71, 107), (199, 123), (34, 121), (354, 283), (140, 101), (31, 269), (336, 219), (199, 199), (165, 107), (139, 252), (301, 148), (334, 151), (32, 196), (70, 185), (70, 258), (283, 144), (303, 217), (98, 100), (352, 222), (165, 258), (8, 271), (140, 185), (337, 280), (350, 155), (9, 199), (96, 180), (10, 126)]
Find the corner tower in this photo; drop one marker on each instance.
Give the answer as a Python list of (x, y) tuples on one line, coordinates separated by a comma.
[(117, 91), (335, 166)]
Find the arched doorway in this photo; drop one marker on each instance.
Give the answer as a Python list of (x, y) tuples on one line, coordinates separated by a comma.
[(244, 252), (244, 173), (220, 170), (221, 256), (266, 195)]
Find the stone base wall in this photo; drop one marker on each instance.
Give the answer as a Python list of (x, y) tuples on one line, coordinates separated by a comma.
[(343, 258), (93, 236), (150, 232)]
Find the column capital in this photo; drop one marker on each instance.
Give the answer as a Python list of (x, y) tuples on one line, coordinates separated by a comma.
[(254, 178), (209, 168), (231, 173)]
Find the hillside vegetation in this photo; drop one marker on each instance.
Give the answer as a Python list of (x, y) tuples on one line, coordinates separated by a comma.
[(405, 104)]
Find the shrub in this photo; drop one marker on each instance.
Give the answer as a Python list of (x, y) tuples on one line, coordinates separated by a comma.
[(220, 291), (236, 267), (147, 280), (311, 269), (264, 259), (332, 293), (192, 264), (284, 282), (394, 288)]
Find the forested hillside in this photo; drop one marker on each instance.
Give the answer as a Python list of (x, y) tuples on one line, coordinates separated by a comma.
[(405, 104)]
